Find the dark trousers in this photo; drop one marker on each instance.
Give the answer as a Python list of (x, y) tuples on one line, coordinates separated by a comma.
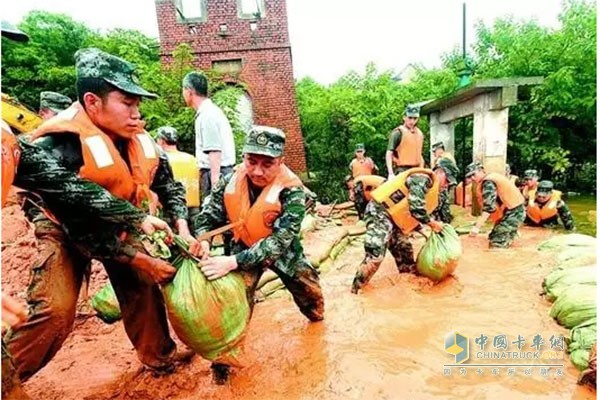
[(205, 183)]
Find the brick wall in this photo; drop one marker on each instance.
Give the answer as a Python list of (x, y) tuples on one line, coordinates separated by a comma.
[(265, 54)]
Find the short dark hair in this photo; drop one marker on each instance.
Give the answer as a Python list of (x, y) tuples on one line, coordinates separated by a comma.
[(197, 82), (98, 86)]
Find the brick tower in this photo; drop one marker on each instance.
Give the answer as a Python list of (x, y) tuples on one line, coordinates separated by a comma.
[(246, 39)]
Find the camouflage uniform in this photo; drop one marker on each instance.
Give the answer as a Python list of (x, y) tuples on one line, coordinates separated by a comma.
[(383, 234), (360, 202), (55, 102), (505, 230), (442, 212), (282, 251), (92, 221)]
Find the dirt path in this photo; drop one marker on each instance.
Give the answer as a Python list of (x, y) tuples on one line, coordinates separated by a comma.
[(386, 343)]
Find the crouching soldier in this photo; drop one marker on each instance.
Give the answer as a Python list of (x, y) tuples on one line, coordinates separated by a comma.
[(399, 206), (503, 204), (443, 212), (545, 206), (266, 199)]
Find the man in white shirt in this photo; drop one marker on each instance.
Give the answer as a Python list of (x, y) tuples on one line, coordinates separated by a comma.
[(215, 148)]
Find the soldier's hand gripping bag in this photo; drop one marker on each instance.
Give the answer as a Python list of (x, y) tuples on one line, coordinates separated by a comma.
[(439, 255), (106, 304), (210, 317)]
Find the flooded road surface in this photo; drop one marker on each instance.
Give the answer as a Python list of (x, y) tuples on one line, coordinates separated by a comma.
[(385, 343)]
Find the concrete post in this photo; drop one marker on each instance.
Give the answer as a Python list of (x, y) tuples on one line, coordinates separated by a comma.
[(490, 135), (440, 132)]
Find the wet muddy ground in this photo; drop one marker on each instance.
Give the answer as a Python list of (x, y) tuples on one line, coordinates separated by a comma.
[(385, 343)]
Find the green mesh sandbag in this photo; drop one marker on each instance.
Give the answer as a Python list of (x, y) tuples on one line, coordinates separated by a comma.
[(575, 305), (583, 336), (560, 279), (570, 240), (106, 304), (580, 359), (439, 255), (210, 317)]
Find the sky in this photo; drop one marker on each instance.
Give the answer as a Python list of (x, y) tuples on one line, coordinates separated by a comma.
[(332, 37)]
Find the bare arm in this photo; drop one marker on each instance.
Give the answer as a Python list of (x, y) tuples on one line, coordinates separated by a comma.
[(389, 163), (214, 159)]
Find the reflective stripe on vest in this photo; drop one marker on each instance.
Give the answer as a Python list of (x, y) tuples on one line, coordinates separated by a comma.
[(102, 162), (393, 195)]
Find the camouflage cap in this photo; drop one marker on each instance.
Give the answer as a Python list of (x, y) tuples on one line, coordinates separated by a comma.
[(359, 147), (449, 168), (530, 173), (411, 111), (265, 141), (94, 63), (54, 101), (437, 146), (472, 168), (12, 32), (168, 134), (545, 187)]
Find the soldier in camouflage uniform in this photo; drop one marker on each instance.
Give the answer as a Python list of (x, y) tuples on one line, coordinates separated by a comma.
[(383, 233), (51, 103), (76, 219), (547, 206), (529, 182), (502, 203), (443, 212), (270, 202)]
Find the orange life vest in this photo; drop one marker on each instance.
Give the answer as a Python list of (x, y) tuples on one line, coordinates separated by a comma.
[(547, 211), (11, 152), (259, 217), (408, 152), (393, 195), (369, 183), (458, 195), (508, 195), (102, 162), (362, 167)]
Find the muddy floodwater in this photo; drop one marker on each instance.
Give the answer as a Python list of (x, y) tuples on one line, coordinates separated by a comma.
[(385, 343)]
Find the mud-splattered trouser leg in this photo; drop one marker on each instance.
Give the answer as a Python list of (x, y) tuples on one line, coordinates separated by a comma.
[(443, 212), (52, 296), (359, 200), (505, 231), (402, 250), (379, 231), (11, 384), (303, 285)]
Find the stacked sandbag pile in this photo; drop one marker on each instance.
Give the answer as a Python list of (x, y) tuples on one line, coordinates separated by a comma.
[(572, 287)]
